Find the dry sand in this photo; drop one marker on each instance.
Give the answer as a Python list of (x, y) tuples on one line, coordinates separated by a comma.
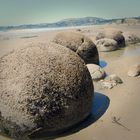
[(124, 99)]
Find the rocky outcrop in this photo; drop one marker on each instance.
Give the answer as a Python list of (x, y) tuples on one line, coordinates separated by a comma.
[(43, 89), (80, 44)]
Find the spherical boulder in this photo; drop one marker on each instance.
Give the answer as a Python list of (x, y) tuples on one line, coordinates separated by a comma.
[(106, 45), (43, 89), (80, 44), (97, 73), (118, 36)]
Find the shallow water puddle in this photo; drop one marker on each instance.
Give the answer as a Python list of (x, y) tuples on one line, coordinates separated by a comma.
[(132, 50)]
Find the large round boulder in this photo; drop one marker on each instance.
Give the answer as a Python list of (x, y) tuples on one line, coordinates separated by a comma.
[(106, 45), (80, 44), (43, 89)]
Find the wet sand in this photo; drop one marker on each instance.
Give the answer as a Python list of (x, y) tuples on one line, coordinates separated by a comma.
[(119, 107)]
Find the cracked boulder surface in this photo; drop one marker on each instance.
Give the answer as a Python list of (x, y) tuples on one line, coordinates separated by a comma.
[(80, 44), (44, 88)]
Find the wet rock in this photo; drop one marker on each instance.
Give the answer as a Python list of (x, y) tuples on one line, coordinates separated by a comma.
[(80, 44), (111, 81), (97, 73), (131, 38), (106, 45), (43, 89), (134, 70), (115, 78), (108, 84)]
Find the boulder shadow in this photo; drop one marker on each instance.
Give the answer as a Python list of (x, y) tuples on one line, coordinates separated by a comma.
[(99, 106), (102, 63)]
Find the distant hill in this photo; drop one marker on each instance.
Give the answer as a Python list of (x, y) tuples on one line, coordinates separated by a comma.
[(75, 22)]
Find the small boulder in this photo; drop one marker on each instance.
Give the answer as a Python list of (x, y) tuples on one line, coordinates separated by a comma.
[(131, 38), (100, 35), (134, 70), (111, 81), (43, 89), (106, 45), (80, 44), (115, 78), (79, 30), (107, 84), (97, 73)]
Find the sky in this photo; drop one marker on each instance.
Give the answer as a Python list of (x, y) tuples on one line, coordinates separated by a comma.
[(17, 12)]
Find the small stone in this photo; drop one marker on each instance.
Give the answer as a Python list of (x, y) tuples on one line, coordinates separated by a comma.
[(79, 30), (115, 78), (97, 73), (107, 85), (134, 70), (111, 81)]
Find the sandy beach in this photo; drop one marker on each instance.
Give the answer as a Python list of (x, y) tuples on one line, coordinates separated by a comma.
[(120, 117)]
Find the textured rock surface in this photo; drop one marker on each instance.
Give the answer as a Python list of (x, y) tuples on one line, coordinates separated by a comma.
[(134, 70), (131, 38), (96, 72), (115, 78), (107, 84), (43, 88), (111, 81), (112, 34), (80, 44), (106, 45)]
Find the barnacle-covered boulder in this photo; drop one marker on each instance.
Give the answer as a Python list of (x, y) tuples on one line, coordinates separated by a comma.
[(43, 89)]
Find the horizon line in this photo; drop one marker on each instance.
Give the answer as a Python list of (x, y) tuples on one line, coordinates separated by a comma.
[(16, 25)]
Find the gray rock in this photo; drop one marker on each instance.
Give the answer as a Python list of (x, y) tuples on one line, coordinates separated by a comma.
[(111, 81), (100, 35), (134, 70), (43, 89), (97, 73), (80, 44), (115, 78), (113, 34), (106, 45), (108, 84)]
